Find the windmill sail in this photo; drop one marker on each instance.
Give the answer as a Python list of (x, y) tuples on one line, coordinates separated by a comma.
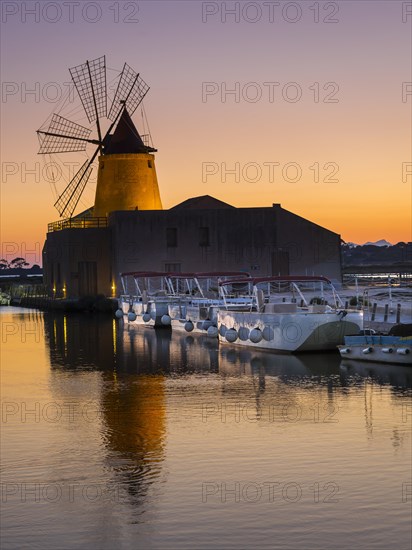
[(68, 200), (90, 81), (130, 91), (63, 136)]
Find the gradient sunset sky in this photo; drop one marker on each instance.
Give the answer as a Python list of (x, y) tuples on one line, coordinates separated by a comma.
[(323, 90)]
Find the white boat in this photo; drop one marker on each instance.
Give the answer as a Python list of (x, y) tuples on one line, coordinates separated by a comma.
[(394, 348), (394, 344), (147, 302), (185, 301), (195, 300), (287, 313), (378, 348)]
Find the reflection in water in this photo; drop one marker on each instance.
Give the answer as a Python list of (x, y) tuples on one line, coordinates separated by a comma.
[(133, 362), (176, 412), (132, 395)]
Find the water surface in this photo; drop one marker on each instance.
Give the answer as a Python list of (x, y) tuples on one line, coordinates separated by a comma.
[(126, 437)]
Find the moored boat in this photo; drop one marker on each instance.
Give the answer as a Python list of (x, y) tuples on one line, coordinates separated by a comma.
[(394, 348), (196, 301), (148, 302), (186, 301), (287, 313)]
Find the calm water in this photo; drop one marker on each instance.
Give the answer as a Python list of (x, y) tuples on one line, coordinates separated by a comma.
[(119, 437)]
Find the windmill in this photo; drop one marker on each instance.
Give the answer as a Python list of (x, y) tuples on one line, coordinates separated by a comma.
[(130, 181)]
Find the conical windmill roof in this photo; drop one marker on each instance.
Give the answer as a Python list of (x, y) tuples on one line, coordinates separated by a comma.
[(125, 139)]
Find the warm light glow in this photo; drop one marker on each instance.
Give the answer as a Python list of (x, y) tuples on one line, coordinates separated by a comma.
[(65, 334), (348, 134)]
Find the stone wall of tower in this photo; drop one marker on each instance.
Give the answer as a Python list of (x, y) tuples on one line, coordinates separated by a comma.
[(126, 182)]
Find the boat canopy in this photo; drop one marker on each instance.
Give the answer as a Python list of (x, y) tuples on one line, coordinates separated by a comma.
[(278, 279), (186, 275), (208, 275), (143, 274)]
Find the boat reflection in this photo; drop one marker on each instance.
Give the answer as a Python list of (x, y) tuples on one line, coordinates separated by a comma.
[(397, 376)]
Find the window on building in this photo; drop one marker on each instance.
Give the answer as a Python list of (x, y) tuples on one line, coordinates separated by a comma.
[(173, 268), (204, 239), (171, 236), (149, 164)]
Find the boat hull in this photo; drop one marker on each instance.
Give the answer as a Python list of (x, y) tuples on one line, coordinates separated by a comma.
[(295, 332), (147, 314), (393, 350)]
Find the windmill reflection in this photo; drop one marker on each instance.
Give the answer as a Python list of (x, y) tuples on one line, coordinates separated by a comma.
[(131, 364)]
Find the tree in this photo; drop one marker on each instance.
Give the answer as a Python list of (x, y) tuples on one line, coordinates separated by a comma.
[(18, 263), (14, 264)]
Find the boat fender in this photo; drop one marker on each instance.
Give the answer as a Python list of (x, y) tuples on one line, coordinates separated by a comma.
[(231, 335), (222, 330), (255, 335), (131, 316), (403, 351), (244, 333), (212, 331), (118, 314), (189, 326), (146, 317), (153, 315), (345, 351), (166, 320), (387, 350), (206, 324), (367, 350)]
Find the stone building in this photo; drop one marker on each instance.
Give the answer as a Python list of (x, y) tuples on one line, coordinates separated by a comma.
[(85, 256)]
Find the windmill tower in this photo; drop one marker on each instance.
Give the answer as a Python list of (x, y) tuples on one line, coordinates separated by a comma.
[(126, 178)]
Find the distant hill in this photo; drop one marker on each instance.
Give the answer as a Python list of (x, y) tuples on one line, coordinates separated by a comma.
[(382, 242), (377, 254)]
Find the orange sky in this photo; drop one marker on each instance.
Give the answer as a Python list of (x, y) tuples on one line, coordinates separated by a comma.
[(355, 122)]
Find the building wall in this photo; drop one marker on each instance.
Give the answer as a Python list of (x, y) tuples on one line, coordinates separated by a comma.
[(78, 262), (312, 249), (262, 241), (259, 240)]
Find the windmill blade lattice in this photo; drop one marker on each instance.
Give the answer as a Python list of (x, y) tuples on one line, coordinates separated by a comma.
[(90, 81), (63, 136), (130, 92), (68, 200)]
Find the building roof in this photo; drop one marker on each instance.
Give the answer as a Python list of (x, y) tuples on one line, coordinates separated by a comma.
[(204, 202), (125, 139)]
